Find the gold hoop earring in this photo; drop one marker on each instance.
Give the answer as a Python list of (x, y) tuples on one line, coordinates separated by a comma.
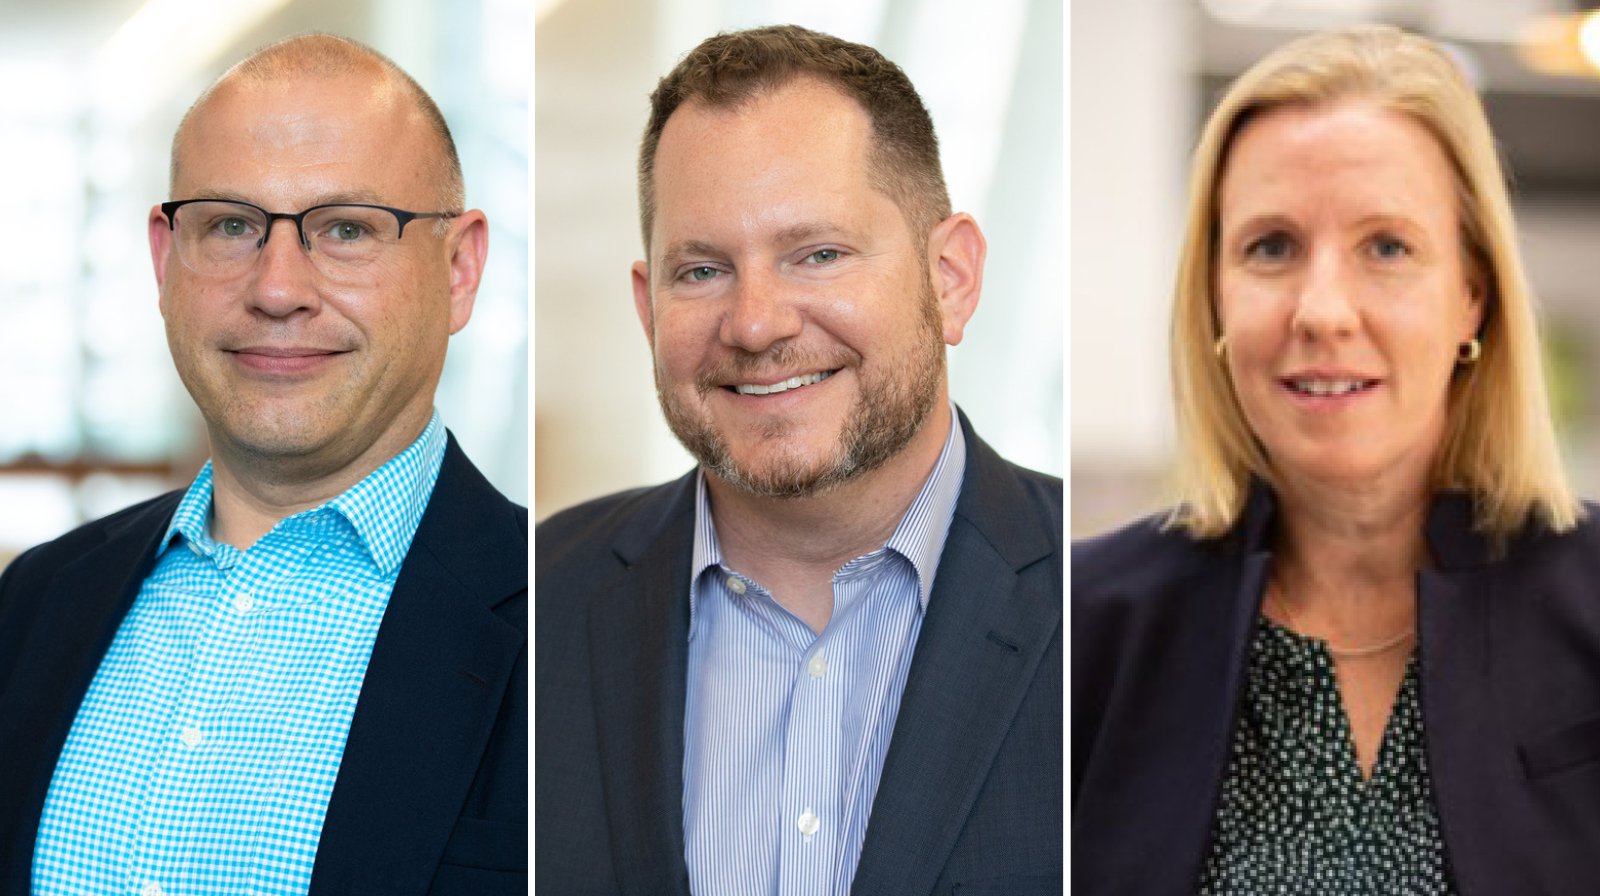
[(1468, 353), (1220, 348)]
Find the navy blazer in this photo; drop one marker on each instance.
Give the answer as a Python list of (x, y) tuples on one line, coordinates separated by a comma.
[(1509, 647), (971, 789), (431, 795)]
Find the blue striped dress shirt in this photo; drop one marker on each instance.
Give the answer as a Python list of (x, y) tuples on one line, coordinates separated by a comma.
[(204, 753), (785, 730)]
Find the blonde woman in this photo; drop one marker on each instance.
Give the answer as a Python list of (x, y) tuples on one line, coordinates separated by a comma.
[(1362, 655)]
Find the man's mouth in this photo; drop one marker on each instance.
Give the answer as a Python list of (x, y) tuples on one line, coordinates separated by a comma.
[(793, 382)]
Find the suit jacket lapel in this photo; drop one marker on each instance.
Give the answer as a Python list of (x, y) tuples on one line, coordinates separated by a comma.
[(79, 618), (638, 649), (450, 642), (1463, 749), (994, 611)]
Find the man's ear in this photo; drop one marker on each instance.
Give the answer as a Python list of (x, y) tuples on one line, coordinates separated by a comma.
[(160, 231), (641, 300), (956, 250), (468, 245)]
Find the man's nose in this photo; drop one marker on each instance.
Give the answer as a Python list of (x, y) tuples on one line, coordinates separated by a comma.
[(763, 311), (285, 275)]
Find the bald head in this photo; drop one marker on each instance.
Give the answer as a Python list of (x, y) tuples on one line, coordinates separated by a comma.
[(326, 57)]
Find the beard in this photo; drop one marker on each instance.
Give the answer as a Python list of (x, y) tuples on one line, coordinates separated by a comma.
[(894, 399)]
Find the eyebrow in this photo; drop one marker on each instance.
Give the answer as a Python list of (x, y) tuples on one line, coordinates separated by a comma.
[(676, 253)]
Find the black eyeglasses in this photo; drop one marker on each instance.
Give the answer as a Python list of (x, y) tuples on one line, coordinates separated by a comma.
[(223, 238)]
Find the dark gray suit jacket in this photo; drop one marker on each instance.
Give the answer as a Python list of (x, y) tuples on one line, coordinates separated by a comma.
[(431, 795), (970, 799)]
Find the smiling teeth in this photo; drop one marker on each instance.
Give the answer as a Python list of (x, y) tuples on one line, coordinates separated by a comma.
[(793, 382), (1329, 387)]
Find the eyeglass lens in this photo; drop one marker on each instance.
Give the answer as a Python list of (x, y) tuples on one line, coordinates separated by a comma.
[(222, 238)]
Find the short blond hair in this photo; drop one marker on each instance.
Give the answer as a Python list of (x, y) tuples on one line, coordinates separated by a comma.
[(1499, 442)]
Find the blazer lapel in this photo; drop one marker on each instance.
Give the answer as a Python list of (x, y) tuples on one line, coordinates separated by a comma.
[(81, 613), (450, 642), (1464, 751), (995, 610), (638, 634)]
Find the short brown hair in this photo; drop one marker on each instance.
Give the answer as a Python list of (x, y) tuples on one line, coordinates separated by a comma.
[(734, 67)]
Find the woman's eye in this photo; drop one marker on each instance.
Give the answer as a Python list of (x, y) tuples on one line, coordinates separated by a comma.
[(1272, 247), (1387, 248)]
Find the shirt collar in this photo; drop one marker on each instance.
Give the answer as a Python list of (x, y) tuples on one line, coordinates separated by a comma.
[(384, 508), (919, 537)]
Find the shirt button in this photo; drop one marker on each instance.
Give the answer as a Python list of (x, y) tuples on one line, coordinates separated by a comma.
[(244, 603), (818, 666), (152, 890), (808, 823), (191, 737), (735, 584)]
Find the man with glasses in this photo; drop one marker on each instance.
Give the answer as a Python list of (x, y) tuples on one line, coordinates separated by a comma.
[(308, 671), (829, 659)]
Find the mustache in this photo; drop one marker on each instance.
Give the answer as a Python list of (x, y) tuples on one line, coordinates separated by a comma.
[(745, 367)]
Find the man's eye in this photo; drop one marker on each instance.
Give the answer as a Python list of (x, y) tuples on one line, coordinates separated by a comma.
[(346, 231), (701, 274), (823, 256), (233, 227)]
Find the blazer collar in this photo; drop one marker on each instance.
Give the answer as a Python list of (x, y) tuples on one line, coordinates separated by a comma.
[(81, 607), (993, 618), (639, 633), (1452, 537), (453, 636)]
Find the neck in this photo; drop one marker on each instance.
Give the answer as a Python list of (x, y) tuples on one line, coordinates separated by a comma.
[(252, 493), (796, 544), (1346, 559)]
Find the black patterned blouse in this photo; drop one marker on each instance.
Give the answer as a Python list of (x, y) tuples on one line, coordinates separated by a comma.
[(1295, 815)]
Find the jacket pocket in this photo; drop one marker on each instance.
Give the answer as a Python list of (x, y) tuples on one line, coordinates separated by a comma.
[(1568, 748)]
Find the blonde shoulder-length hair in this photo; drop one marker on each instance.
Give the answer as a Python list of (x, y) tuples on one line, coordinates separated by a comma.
[(1499, 441)]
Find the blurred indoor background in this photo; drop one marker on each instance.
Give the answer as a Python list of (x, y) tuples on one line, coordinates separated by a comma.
[(992, 78), (94, 417), (1145, 73)]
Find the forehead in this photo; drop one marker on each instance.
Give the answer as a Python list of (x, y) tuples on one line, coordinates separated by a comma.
[(1351, 156), (296, 140), (802, 149)]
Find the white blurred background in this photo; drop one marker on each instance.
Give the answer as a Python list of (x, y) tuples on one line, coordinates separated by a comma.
[(94, 417), (991, 75), (1144, 75)]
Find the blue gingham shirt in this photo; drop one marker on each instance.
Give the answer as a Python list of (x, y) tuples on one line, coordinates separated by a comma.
[(203, 755), (785, 730)]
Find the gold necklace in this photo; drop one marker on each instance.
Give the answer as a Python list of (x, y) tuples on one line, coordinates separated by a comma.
[(1349, 653)]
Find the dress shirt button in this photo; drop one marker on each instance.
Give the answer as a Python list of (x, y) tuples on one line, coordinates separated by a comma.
[(244, 603), (735, 584), (152, 890), (191, 737), (818, 666), (808, 823)]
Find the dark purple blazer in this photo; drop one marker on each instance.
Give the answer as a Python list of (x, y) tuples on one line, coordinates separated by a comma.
[(431, 796), (970, 800), (1509, 644)]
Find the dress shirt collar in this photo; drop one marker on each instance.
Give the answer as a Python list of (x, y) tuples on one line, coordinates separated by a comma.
[(919, 536), (384, 508)]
